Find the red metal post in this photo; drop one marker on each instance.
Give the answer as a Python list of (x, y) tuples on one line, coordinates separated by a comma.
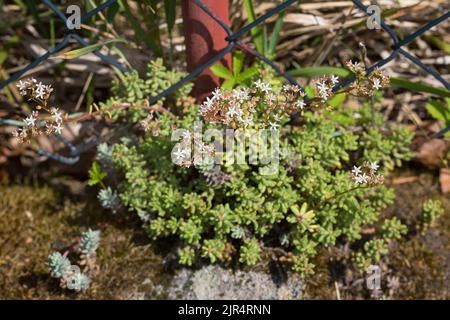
[(204, 38)]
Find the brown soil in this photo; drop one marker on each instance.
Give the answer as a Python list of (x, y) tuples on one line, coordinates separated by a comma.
[(36, 220), (421, 262)]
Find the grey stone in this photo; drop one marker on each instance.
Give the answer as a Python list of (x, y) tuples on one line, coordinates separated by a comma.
[(216, 283)]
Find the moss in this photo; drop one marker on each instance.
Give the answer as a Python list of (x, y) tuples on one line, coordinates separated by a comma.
[(38, 220)]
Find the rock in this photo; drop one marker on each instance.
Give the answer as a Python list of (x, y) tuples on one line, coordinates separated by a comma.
[(216, 283), (444, 179), (432, 152)]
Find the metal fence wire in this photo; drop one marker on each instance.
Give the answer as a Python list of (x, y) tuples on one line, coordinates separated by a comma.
[(233, 42)]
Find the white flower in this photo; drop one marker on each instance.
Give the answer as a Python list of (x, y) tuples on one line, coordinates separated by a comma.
[(40, 94), (240, 94), (322, 86), (247, 121), (324, 95), (334, 79), (209, 102), (232, 111), (49, 89), (300, 104), (364, 178), (56, 115), (359, 179), (217, 93), (354, 66), (274, 126), (30, 121), (277, 118), (40, 87), (356, 170), (262, 86), (259, 84), (287, 87), (296, 88), (271, 97), (244, 93), (22, 85), (323, 90), (236, 93), (376, 84), (374, 166), (58, 128), (265, 88)]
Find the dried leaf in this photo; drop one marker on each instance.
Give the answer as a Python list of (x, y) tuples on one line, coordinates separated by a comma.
[(444, 179)]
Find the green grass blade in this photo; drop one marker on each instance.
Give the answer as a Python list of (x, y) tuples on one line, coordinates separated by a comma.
[(238, 62), (319, 71), (444, 46), (170, 7), (112, 11), (342, 72), (419, 86), (141, 35), (257, 32), (52, 33), (68, 55), (276, 34)]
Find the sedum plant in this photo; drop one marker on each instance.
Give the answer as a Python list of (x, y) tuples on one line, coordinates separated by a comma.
[(71, 276), (431, 210), (58, 264), (89, 242), (133, 91), (327, 188)]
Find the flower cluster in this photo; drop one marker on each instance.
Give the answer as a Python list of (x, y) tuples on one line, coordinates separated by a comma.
[(192, 151), (366, 85), (34, 90), (367, 174), (34, 124), (240, 107), (71, 276), (324, 87), (150, 124), (218, 221)]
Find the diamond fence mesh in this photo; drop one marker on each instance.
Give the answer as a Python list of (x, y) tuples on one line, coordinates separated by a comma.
[(233, 39)]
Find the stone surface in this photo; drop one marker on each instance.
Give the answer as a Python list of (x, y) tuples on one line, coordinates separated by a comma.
[(215, 282)]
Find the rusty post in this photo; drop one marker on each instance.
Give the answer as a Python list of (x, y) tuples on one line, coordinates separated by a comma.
[(204, 38)]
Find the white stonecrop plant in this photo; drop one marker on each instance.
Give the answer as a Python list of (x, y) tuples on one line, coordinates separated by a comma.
[(35, 124), (71, 276)]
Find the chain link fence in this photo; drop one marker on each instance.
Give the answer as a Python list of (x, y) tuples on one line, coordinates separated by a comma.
[(233, 39)]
